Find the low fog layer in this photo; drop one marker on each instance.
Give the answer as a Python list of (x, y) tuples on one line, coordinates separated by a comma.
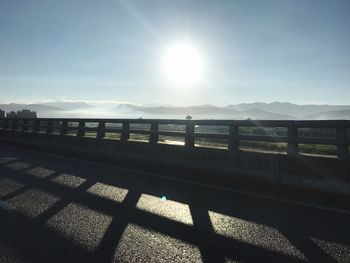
[(259, 111)]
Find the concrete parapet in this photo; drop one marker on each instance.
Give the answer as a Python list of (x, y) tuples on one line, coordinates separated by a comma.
[(309, 172)]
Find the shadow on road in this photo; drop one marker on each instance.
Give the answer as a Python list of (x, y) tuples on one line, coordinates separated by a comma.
[(74, 212)]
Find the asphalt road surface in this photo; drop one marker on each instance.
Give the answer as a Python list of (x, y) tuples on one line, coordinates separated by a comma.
[(66, 210)]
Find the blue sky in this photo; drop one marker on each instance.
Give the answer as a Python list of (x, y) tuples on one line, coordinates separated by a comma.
[(296, 51)]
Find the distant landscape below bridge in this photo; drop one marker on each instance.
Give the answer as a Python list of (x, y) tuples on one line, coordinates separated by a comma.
[(117, 109)]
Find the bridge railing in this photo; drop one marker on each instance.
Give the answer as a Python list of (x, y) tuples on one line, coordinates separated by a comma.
[(187, 129)]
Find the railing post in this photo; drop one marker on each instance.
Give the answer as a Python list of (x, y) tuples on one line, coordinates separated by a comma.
[(233, 141), (101, 133), (14, 124), (292, 137), (125, 132), (81, 129), (25, 125), (36, 127), (342, 142), (64, 128), (49, 128), (153, 136), (189, 137)]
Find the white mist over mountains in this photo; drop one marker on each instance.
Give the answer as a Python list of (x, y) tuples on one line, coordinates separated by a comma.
[(119, 109)]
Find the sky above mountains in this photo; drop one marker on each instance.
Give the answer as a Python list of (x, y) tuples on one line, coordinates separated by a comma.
[(248, 51)]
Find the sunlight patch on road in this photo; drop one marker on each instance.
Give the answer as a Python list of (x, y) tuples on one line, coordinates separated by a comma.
[(7, 186), (167, 208), (18, 165), (40, 172), (83, 226), (138, 244), (4, 160), (252, 233), (111, 192), (69, 180), (328, 246), (33, 202)]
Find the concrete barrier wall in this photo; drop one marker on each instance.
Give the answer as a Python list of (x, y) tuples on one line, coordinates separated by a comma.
[(310, 172)]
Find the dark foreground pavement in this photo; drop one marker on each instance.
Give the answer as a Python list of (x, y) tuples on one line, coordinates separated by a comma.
[(71, 211)]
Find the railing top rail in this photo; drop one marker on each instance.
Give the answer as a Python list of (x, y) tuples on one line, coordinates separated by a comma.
[(323, 123), (243, 123)]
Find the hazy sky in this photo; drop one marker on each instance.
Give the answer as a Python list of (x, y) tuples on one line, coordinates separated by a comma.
[(297, 50)]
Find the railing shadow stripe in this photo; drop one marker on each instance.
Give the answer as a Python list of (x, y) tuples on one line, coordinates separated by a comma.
[(109, 243)]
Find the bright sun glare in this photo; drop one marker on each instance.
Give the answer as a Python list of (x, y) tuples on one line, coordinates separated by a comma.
[(183, 64)]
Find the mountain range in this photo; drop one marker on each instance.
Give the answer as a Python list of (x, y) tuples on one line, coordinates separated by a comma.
[(258, 110)]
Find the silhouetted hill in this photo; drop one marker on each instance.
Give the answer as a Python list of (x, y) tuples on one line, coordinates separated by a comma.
[(258, 110)]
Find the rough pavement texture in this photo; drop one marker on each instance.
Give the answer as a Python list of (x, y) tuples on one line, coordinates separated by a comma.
[(69, 211)]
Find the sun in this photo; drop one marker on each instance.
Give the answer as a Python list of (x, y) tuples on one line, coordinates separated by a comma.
[(183, 64)]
